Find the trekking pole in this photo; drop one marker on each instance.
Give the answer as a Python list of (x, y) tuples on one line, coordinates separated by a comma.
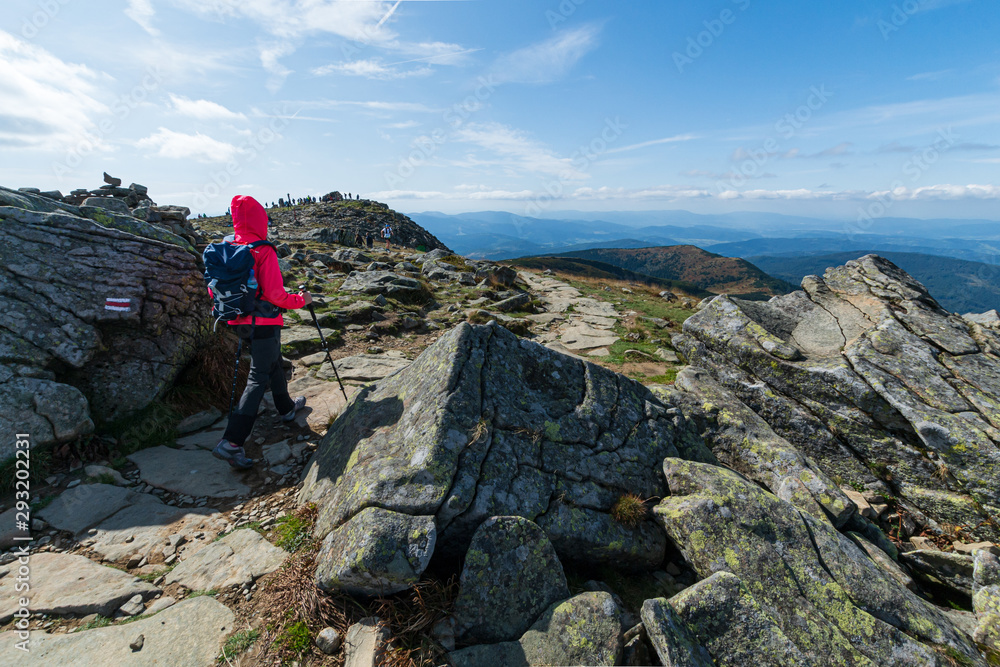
[(325, 348)]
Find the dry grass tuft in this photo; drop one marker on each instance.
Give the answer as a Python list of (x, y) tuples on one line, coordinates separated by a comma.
[(629, 510), (289, 601)]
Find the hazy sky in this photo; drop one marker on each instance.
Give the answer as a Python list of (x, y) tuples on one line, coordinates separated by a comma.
[(826, 109)]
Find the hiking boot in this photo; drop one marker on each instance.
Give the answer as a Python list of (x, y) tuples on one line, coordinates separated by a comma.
[(233, 455), (300, 403)]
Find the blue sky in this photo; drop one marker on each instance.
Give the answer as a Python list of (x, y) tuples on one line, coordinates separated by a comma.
[(820, 109)]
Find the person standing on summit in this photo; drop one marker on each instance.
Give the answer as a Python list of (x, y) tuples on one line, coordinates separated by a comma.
[(250, 225)]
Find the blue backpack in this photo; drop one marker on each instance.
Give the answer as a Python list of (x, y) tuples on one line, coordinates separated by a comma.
[(229, 274)]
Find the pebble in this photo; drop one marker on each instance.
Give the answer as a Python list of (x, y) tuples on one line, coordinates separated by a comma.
[(328, 641), (137, 643), (72, 484)]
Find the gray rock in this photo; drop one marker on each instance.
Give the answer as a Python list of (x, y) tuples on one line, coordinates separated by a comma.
[(363, 367), (986, 569), (486, 424), (798, 567), (204, 439), (278, 453), (102, 472), (865, 375), (243, 555), (198, 421), (377, 552), (583, 630), (192, 473), (108, 203), (518, 302), (145, 527), (366, 643), (674, 642), (745, 442), (111, 180), (159, 605), (131, 357), (328, 641), (86, 505), (189, 633), (510, 576), (133, 607), (951, 570), (65, 584), (59, 412), (384, 282)]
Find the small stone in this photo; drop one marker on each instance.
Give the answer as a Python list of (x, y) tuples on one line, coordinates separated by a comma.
[(963, 548), (170, 559), (137, 643), (923, 543), (133, 607), (328, 641), (72, 484)]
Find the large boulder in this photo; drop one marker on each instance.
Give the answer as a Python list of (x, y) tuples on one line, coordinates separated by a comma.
[(829, 599), (866, 376), (97, 321), (510, 576), (583, 630), (486, 424)]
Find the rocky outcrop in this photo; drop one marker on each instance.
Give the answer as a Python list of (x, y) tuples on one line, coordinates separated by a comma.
[(871, 383), (100, 312), (486, 424), (831, 602)]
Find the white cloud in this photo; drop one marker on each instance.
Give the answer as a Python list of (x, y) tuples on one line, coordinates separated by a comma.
[(177, 145), (549, 60), (48, 104), (142, 12), (681, 193), (372, 69), (655, 142), (203, 109), (519, 153)]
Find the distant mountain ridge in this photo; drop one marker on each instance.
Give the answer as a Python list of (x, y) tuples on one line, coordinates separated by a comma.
[(715, 273)]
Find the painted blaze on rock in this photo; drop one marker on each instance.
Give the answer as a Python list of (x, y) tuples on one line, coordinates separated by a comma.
[(486, 424)]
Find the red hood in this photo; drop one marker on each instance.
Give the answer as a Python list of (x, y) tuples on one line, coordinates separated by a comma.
[(249, 220)]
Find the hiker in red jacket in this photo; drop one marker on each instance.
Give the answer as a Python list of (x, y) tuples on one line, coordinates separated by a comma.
[(250, 224)]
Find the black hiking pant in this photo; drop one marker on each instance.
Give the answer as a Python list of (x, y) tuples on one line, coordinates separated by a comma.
[(265, 372)]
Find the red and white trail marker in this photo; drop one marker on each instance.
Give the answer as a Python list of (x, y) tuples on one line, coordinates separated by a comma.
[(120, 305)]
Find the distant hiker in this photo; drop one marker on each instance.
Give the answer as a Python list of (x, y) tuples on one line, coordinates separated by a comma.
[(263, 329), (387, 235), (359, 240), (369, 240)]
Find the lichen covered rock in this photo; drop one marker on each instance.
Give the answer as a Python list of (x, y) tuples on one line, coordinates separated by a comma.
[(486, 424), (377, 552), (510, 576), (719, 617), (61, 343), (834, 603), (872, 381), (583, 630)]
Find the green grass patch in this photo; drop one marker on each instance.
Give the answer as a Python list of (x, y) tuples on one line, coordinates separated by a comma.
[(197, 594), (99, 622), (239, 643), (667, 378), (153, 576), (296, 639), (294, 532), (619, 348)]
